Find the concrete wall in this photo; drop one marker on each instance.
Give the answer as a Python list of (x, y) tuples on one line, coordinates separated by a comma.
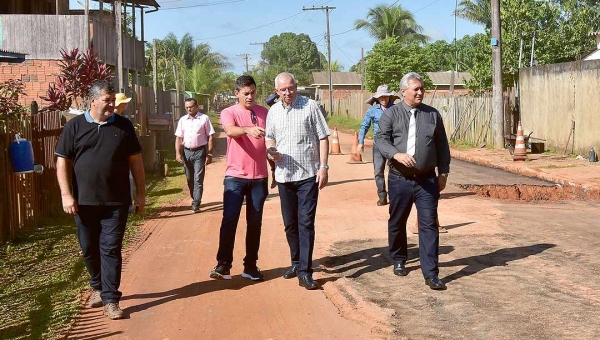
[(553, 96)]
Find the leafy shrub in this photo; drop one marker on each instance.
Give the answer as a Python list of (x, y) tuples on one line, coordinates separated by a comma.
[(10, 91), (78, 71)]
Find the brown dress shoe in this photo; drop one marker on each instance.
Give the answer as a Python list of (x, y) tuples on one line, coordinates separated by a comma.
[(382, 201)]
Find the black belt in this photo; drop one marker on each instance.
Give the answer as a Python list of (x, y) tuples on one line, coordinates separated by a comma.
[(195, 149), (421, 175)]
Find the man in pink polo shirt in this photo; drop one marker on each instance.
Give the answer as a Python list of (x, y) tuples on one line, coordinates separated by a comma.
[(246, 176)]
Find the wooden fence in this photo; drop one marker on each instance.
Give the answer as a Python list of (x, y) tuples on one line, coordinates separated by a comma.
[(28, 197), (466, 119)]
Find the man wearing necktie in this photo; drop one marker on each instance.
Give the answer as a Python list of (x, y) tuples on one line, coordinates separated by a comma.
[(412, 136)]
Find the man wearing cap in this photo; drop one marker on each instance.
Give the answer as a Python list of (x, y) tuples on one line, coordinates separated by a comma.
[(381, 100), (194, 135), (121, 102), (412, 136)]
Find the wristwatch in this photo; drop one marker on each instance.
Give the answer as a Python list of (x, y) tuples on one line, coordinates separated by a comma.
[(444, 175), (325, 166)]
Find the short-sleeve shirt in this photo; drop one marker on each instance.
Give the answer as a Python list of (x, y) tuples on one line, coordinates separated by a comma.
[(100, 155), (297, 130), (246, 155), (194, 130)]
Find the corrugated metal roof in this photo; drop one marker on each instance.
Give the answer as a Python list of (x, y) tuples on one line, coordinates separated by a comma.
[(11, 56), (444, 77), (337, 78), (151, 3)]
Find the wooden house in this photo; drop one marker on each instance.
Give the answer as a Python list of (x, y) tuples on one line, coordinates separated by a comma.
[(39, 29)]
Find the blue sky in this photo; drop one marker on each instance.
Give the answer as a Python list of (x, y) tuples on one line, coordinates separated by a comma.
[(229, 26)]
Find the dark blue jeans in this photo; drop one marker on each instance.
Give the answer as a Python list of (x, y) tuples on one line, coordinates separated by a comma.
[(379, 168), (299, 209), (424, 192), (255, 192), (194, 163), (100, 230)]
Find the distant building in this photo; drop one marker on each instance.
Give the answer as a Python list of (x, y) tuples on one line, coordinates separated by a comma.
[(343, 84), (594, 55), (443, 82)]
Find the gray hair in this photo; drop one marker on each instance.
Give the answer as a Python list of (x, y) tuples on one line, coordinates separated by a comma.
[(285, 74), (100, 86), (408, 77)]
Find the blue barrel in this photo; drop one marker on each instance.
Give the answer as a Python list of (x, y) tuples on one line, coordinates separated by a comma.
[(21, 155)]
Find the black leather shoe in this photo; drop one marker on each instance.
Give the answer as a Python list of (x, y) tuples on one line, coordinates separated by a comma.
[(435, 283), (308, 282), (382, 201), (400, 269), (291, 273)]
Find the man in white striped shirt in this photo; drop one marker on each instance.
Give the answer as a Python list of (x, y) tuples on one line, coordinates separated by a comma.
[(297, 140)]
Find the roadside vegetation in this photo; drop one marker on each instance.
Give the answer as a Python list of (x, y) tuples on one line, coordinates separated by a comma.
[(42, 275)]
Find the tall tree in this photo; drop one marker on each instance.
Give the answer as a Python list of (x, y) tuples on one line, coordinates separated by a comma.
[(294, 53), (389, 60), (384, 22), (477, 11)]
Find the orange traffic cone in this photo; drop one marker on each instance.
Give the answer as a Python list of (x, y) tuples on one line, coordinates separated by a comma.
[(520, 153), (355, 157), (335, 143)]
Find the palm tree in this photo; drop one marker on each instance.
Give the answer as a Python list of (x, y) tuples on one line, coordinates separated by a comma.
[(477, 11), (336, 66), (384, 22)]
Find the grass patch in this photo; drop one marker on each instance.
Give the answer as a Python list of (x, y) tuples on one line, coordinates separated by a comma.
[(42, 273), (552, 166), (461, 145), (347, 124)]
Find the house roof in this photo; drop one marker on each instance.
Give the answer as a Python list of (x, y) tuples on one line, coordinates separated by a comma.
[(151, 3), (11, 55), (337, 78), (444, 77)]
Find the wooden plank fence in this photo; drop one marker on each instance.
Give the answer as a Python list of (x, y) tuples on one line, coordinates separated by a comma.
[(29, 197), (467, 119)]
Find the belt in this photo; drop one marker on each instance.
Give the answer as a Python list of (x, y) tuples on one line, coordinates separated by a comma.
[(195, 149), (421, 175)]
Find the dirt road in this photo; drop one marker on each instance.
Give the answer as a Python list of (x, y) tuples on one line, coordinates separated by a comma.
[(513, 269)]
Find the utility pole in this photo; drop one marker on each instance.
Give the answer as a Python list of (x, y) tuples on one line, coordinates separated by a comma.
[(327, 9), (497, 99), (245, 56), (264, 97)]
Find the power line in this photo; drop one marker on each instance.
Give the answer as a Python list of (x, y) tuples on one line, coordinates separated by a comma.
[(327, 9), (248, 30), (224, 2)]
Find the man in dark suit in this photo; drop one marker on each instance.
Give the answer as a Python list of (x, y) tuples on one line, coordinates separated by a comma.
[(412, 136)]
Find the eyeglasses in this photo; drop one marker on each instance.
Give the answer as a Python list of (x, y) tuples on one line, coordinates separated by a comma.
[(290, 89), (253, 117)]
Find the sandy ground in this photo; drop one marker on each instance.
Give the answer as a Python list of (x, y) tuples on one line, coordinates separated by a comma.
[(514, 269)]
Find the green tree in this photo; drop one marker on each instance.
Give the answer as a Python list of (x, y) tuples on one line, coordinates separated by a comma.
[(294, 53), (383, 22), (477, 11), (191, 67), (336, 66), (389, 60)]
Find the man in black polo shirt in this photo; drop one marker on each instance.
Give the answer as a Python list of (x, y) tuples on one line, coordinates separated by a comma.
[(95, 153), (412, 136)]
